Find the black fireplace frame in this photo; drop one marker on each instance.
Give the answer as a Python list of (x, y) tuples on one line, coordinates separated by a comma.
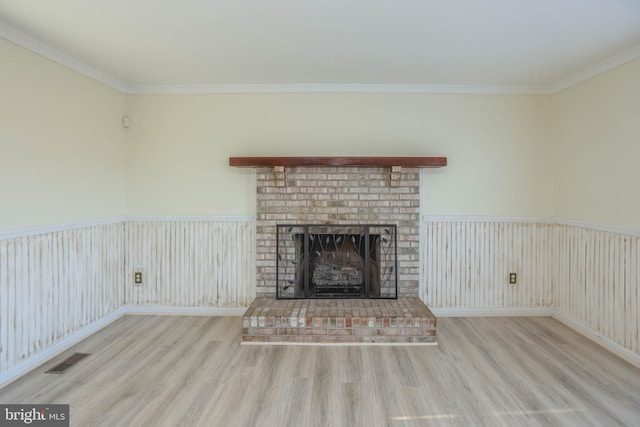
[(288, 258)]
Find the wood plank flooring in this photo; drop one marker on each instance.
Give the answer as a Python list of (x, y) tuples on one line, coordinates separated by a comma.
[(192, 371)]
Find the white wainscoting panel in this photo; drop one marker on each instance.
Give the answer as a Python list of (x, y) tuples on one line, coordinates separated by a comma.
[(55, 284), (598, 282), (190, 263), (467, 264)]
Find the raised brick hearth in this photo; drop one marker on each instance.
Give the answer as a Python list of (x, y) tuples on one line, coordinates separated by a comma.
[(405, 320)]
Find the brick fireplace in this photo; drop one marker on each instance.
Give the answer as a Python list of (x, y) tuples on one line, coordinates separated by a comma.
[(338, 195), (365, 201), (336, 261)]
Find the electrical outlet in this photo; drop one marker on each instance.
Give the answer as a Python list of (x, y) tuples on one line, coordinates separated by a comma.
[(137, 277), (512, 278)]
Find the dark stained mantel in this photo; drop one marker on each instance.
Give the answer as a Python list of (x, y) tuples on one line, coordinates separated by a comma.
[(408, 162)]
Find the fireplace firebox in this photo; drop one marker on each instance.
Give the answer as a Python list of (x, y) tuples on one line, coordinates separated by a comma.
[(336, 261)]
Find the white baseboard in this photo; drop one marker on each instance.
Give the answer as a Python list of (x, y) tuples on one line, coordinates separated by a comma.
[(626, 354), (491, 312), (340, 344), (183, 311), (39, 358)]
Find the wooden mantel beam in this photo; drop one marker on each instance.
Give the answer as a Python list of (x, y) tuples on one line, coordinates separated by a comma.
[(408, 162)]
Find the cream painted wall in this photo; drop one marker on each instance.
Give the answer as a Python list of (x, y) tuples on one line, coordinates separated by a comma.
[(498, 147), (596, 127), (61, 143)]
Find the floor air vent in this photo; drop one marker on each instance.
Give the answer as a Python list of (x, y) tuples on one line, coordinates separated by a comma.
[(67, 363)]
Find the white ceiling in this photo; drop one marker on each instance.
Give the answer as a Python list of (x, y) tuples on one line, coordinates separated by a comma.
[(402, 45)]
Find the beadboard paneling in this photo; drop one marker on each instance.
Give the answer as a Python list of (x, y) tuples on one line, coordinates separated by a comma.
[(467, 264), (586, 275), (190, 263), (598, 281), (54, 284)]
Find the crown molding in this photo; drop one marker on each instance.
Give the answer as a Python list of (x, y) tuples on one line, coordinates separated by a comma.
[(337, 88), (600, 68), (63, 59), (29, 43)]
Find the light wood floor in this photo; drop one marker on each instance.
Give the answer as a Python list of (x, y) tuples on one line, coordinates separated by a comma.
[(192, 371)]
